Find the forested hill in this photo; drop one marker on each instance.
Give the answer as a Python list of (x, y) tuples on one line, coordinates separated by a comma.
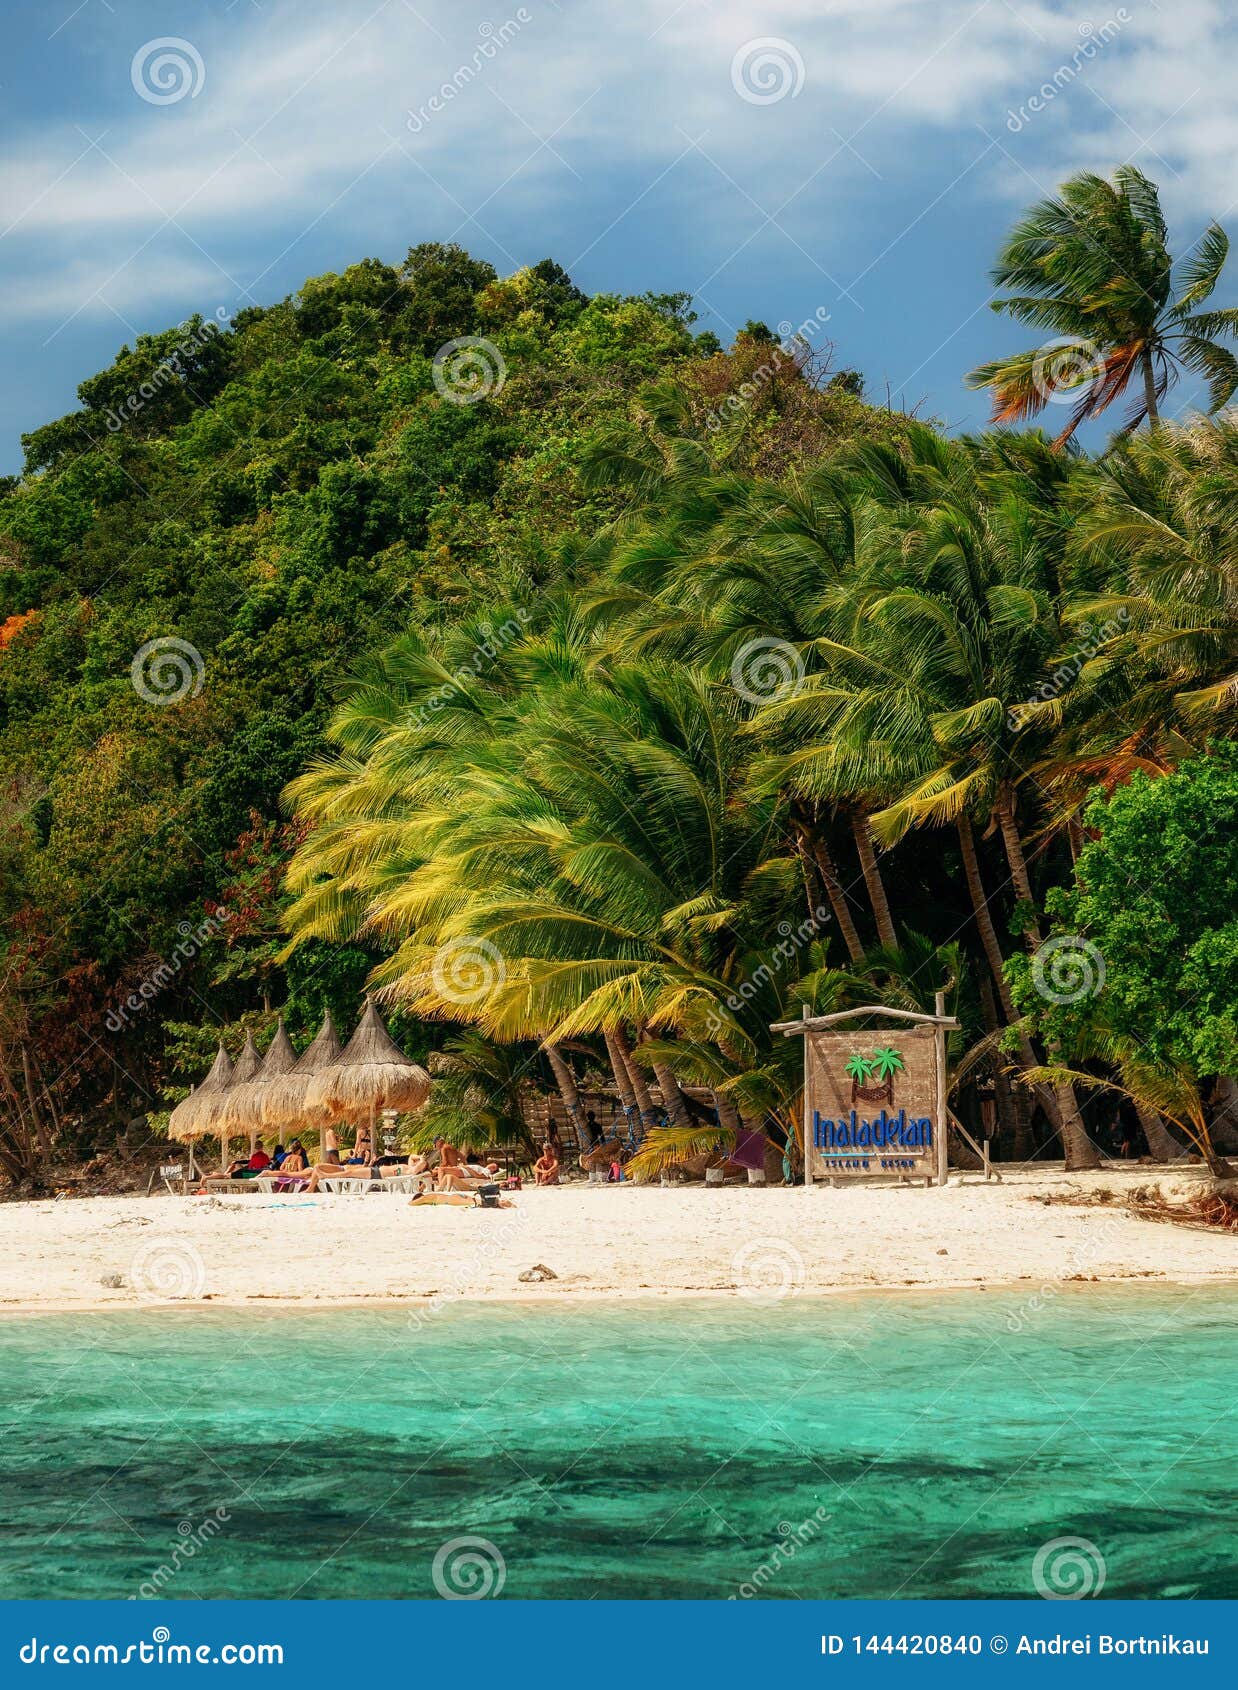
[(236, 516)]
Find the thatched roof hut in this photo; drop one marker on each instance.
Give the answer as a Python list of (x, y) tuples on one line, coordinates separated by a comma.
[(238, 1110), (372, 1074), (283, 1099), (242, 1109), (195, 1114)]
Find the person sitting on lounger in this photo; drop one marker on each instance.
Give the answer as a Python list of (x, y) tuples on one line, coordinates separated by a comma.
[(295, 1171), (546, 1168), (259, 1162)]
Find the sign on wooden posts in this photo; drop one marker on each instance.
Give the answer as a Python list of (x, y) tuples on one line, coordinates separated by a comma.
[(874, 1098)]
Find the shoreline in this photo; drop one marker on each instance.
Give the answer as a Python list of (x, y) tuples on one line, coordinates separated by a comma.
[(1040, 1232), (587, 1295)]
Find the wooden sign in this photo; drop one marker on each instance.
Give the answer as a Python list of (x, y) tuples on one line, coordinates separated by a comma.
[(874, 1097)]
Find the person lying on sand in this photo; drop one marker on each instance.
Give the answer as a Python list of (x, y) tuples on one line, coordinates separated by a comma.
[(546, 1168), (456, 1200)]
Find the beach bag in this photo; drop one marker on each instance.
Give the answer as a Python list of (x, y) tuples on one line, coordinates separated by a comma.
[(488, 1196)]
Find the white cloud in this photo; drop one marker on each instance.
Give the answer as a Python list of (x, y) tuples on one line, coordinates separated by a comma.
[(304, 110)]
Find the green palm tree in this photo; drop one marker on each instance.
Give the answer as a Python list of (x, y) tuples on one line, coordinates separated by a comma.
[(1092, 268)]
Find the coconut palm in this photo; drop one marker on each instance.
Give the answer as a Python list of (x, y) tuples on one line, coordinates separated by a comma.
[(1092, 268)]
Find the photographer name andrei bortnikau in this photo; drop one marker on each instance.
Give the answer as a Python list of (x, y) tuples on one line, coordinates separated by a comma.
[(974, 1643)]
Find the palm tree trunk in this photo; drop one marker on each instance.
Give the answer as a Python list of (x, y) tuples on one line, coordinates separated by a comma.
[(728, 1114), (838, 898), (1162, 1146), (1014, 851), (677, 1112), (814, 892), (984, 918), (1149, 386), (637, 1081), (623, 1077), (566, 1082), (1013, 1103), (863, 834), (1079, 1149), (993, 952)]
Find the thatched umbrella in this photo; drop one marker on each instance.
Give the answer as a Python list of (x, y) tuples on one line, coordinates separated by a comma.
[(242, 1109), (196, 1114), (277, 1064), (238, 1108), (283, 1100), (373, 1073)]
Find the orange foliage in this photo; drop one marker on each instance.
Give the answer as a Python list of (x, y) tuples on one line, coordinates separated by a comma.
[(9, 630)]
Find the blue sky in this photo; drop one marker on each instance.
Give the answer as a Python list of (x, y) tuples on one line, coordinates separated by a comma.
[(860, 158)]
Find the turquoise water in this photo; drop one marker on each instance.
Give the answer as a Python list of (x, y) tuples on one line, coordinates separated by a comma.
[(901, 1445)]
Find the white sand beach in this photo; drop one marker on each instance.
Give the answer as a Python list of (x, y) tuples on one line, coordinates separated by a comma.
[(134, 1252)]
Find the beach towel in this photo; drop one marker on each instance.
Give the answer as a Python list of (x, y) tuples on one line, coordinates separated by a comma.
[(749, 1151)]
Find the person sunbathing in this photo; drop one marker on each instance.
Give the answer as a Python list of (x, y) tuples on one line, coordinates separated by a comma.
[(461, 1178), (457, 1200), (336, 1170), (452, 1173), (546, 1168)]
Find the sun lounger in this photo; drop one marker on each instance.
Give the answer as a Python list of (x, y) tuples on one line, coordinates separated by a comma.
[(349, 1185), (220, 1183)]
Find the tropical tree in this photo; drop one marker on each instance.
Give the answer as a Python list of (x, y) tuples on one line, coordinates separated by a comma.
[(1092, 267)]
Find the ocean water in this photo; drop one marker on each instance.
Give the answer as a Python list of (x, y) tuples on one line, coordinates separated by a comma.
[(858, 1447)]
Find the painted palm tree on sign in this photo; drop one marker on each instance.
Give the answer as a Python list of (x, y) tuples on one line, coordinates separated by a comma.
[(887, 1063), (1092, 267), (860, 1069), (872, 1077)]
